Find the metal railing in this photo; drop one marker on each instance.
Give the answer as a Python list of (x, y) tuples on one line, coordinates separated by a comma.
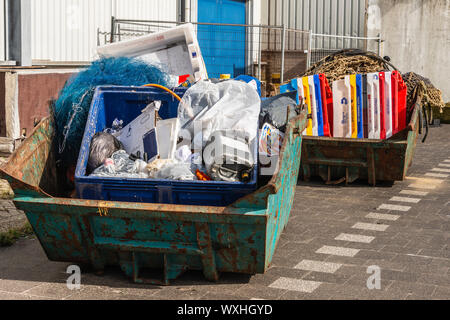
[(256, 50), (259, 50), (322, 45)]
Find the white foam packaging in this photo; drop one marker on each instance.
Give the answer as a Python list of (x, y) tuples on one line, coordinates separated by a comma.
[(167, 135)]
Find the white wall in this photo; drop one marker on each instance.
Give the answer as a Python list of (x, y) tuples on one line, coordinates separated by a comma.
[(417, 36), (66, 30)]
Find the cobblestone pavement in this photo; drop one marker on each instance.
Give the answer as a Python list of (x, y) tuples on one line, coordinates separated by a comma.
[(334, 234)]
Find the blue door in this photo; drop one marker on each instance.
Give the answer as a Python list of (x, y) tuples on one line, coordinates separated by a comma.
[(223, 47)]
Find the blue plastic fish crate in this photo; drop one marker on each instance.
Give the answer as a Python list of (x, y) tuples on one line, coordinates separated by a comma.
[(126, 103)]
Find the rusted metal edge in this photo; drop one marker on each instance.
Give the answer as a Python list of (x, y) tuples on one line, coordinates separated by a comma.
[(415, 116), (149, 210), (261, 195), (16, 183), (21, 187), (294, 129)]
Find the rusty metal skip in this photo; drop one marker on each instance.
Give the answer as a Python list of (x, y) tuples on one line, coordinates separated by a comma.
[(239, 238), (338, 160)]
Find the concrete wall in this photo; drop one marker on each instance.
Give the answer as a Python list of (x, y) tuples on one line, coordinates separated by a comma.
[(417, 36)]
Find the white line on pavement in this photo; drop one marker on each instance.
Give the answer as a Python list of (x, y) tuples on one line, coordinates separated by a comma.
[(354, 238), (440, 170), (405, 199), (318, 266), (414, 192), (338, 251), (436, 175), (370, 226), (394, 207), (427, 180), (422, 186), (382, 216), (295, 284)]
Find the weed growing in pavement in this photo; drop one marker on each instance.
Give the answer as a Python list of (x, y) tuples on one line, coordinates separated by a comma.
[(10, 237)]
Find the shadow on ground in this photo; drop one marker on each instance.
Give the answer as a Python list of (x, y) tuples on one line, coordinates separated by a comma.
[(26, 261)]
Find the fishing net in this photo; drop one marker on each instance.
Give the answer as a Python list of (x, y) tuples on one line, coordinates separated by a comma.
[(421, 87), (348, 61), (72, 107), (351, 61)]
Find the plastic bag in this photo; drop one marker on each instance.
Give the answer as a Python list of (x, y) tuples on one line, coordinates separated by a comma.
[(175, 171), (122, 167), (103, 145), (274, 110), (156, 165), (116, 126), (219, 106), (183, 154)]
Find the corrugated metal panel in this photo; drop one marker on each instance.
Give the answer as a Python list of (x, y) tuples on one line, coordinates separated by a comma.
[(340, 17), (66, 30), (331, 17)]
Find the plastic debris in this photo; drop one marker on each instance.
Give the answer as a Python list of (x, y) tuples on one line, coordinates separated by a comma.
[(183, 154), (103, 145), (140, 135), (228, 154), (177, 48), (202, 176), (156, 165), (116, 126), (175, 171), (270, 141), (219, 106), (167, 135), (122, 167), (276, 110)]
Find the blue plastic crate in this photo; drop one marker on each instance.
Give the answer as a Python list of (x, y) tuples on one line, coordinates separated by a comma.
[(126, 103)]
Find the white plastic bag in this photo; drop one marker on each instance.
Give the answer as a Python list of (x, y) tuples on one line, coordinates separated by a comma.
[(218, 106), (175, 171)]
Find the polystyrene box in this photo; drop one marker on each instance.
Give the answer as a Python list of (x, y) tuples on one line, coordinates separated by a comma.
[(177, 48)]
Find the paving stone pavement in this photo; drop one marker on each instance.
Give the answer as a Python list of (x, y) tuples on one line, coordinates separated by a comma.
[(10, 218), (335, 235)]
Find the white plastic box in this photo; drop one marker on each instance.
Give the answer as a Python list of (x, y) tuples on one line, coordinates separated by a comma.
[(312, 96), (373, 102), (177, 48), (388, 104), (342, 115)]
